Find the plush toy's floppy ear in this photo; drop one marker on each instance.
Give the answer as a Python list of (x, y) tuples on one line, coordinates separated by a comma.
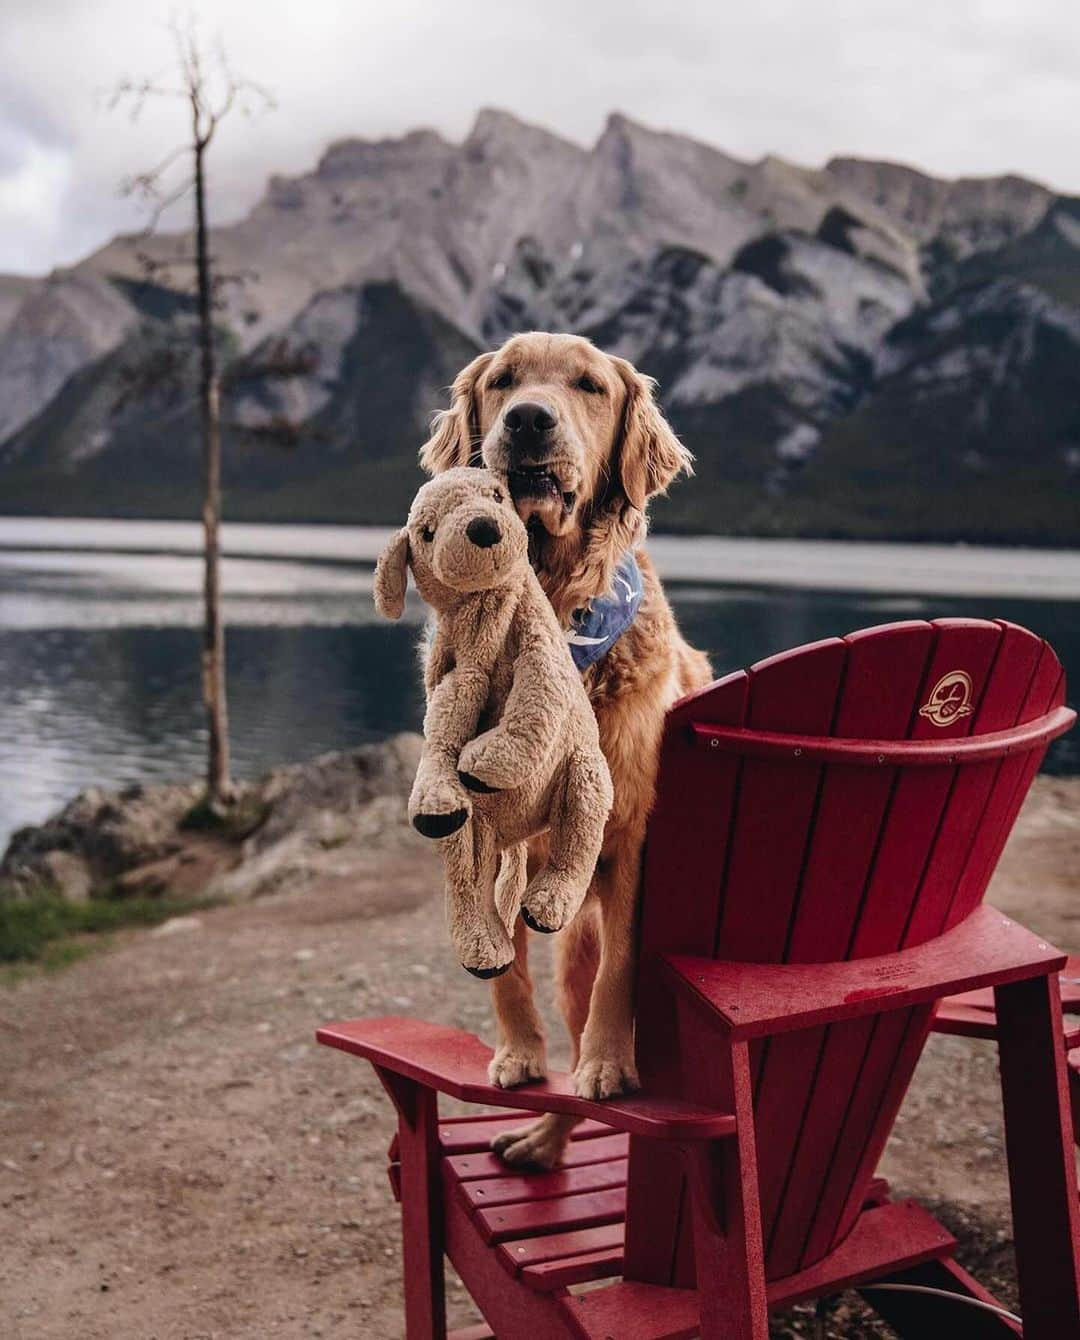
[(456, 431), (391, 577), (649, 455)]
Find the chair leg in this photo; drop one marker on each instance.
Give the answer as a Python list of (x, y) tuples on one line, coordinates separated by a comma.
[(1039, 1146), (728, 1251), (421, 1207)]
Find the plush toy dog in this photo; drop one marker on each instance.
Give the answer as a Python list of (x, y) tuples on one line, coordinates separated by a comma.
[(511, 746)]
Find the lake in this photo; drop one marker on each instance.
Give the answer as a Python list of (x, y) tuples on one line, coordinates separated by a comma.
[(99, 636)]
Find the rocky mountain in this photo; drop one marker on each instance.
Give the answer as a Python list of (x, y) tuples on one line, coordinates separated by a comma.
[(861, 349)]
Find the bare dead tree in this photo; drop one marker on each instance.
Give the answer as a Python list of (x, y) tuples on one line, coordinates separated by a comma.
[(211, 91)]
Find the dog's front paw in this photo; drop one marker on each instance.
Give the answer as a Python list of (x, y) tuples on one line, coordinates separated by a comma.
[(490, 760), (600, 1077), (551, 901), (513, 1065)]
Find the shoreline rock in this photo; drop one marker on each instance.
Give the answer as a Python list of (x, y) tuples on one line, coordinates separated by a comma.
[(298, 823)]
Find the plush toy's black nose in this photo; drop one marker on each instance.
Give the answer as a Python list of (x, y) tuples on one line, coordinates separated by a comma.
[(483, 532), (529, 419)]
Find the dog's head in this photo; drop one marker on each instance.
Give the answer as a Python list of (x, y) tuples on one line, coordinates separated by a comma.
[(462, 535), (576, 433)]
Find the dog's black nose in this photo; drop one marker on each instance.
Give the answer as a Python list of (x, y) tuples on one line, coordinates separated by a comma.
[(483, 532), (529, 419)]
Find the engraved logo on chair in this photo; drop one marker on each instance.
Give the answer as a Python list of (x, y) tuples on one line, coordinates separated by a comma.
[(950, 699)]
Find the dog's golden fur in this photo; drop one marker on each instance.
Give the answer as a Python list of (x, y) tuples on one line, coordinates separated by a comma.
[(611, 451)]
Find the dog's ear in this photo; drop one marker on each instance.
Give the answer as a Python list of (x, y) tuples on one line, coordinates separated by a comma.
[(391, 577), (455, 431), (648, 455)]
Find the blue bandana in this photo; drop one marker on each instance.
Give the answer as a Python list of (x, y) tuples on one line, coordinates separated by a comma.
[(595, 630)]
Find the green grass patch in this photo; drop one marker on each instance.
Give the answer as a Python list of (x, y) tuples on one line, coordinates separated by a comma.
[(45, 929)]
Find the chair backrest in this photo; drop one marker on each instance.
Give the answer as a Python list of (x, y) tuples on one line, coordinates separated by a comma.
[(778, 835)]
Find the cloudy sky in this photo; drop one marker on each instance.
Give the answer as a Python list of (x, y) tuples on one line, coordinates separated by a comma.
[(954, 86)]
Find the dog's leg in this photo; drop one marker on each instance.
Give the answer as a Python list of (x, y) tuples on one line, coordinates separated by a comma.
[(520, 1055), (577, 955), (578, 817), (606, 1064), (476, 930)]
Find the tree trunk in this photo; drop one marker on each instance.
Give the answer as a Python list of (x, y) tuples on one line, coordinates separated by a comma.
[(213, 651)]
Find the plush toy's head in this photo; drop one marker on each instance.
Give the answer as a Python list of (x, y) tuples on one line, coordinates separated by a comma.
[(462, 535)]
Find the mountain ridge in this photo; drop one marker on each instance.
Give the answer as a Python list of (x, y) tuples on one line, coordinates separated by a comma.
[(773, 301)]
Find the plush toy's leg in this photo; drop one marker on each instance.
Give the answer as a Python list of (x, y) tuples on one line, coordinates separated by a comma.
[(439, 804), (476, 930), (576, 835), (502, 757), (519, 1054)]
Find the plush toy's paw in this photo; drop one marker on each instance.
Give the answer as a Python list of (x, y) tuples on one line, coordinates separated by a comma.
[(514, 1065), (437, 806), (483, 954), (533, 925), (471, 783), (439, 825), (491, 760), (551, 901), (486, 974), (602, 1077), (539, 1145)]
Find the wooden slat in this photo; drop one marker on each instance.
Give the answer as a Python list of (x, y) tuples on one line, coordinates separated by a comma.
[(795, 691), (891, 1238), (578, 1153), (516, 1256), (1044, 691), (881, 696), (485, 1193), (475, 1135), (548, 1275), (528, 1219)]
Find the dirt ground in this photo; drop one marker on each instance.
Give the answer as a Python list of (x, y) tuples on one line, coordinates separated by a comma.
[(180, 1161)]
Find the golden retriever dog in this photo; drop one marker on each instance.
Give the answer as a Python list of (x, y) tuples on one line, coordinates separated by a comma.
[(584, 446)]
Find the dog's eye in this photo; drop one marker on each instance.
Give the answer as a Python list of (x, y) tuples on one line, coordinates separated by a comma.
[(498, 495), (427, 534), (588, 385), (503, 381)]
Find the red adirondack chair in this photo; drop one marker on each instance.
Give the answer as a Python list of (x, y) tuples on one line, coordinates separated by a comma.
[(824, 830)]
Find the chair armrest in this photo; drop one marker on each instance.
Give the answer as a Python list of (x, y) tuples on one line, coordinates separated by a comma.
[(759, 999), (455, 1063)]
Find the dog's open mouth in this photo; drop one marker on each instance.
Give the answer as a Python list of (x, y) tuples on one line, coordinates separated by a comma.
[(538, 484)]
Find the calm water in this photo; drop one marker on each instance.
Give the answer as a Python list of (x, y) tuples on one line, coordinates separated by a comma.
[(99, 640)]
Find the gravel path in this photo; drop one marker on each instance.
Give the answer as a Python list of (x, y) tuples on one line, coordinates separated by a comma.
[(179, 1160)]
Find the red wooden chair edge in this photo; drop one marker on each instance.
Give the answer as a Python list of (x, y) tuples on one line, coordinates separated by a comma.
[(454, 1062), (758, 999)]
